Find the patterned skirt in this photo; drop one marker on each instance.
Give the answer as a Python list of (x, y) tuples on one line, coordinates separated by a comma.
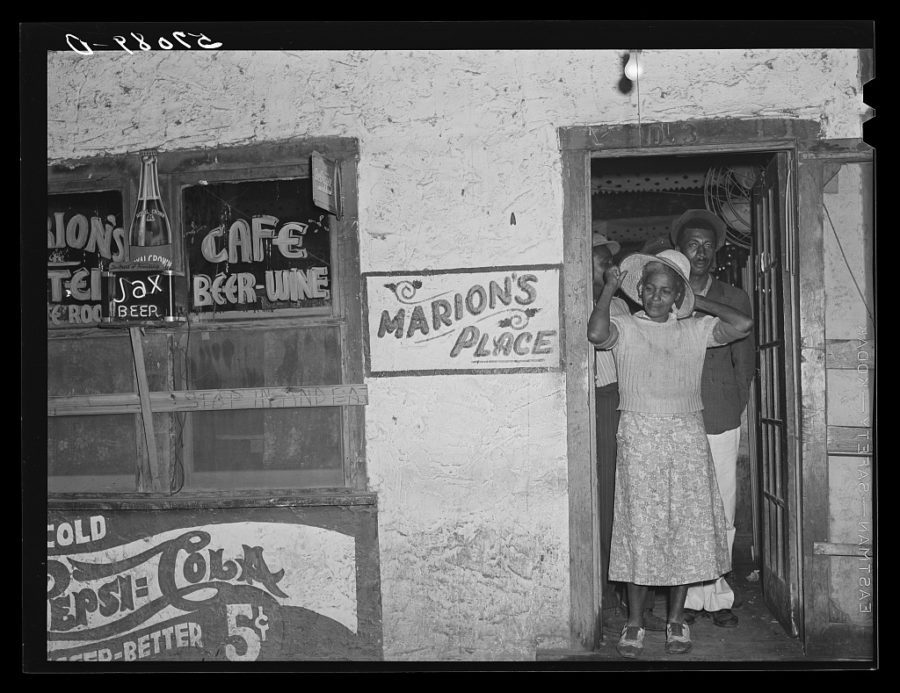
[(669, 522)]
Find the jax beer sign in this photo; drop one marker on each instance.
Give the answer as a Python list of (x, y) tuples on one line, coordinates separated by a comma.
[(504, 319), (130, 587), (137, 294)]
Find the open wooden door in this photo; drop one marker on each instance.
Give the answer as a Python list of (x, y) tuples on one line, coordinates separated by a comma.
[(773, 412)]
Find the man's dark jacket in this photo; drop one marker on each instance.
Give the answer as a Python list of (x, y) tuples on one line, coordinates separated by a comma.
[(727, 370)]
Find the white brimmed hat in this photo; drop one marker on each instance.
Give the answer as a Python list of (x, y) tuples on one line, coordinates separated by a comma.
[(600, 239), (634, 265)]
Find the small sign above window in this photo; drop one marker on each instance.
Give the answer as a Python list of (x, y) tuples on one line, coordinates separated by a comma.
[(326, 184), (256, 246)]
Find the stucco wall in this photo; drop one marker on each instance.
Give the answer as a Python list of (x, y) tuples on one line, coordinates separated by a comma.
[(470, 470)]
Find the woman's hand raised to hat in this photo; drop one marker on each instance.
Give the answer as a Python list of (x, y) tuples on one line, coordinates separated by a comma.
[(613, 278), (598, 324)]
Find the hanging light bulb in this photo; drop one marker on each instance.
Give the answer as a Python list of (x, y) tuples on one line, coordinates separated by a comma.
[(633, 68)]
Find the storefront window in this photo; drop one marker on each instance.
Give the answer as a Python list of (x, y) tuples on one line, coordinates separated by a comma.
[(255, 382), (290, 447), (84, 234), (91, 453), (256, 245)]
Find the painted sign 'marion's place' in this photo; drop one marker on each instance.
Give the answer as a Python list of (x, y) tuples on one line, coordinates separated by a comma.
[(503, 319)]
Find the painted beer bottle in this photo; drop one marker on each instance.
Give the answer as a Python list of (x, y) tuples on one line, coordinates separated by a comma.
[(150, 237)]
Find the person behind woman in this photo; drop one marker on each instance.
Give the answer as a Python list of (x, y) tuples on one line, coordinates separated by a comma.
[(669, 523)]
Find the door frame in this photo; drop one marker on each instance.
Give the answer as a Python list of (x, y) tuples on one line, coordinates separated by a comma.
[(821, 637), (579, 145)]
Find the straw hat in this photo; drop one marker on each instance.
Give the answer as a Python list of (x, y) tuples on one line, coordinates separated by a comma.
[(634, 265), (706, 219), (599, 239)]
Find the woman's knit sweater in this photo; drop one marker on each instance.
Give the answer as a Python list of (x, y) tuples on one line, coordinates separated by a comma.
[(660, 363)]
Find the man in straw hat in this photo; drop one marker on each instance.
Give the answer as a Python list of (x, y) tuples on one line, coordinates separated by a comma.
[(669, 524), (725, 388)]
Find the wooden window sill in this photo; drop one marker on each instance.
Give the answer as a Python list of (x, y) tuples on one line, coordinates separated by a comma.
[(201, 500)]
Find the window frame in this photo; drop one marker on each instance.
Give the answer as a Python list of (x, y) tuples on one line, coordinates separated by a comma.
[(235, 164)]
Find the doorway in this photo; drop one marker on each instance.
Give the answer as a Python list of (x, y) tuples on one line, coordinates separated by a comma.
[(817, 200), (634, 201)]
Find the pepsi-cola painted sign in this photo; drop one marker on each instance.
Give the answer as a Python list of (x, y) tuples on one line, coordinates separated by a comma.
[(238, 591)]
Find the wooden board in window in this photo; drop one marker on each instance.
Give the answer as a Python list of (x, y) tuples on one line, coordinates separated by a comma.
[(256, 246), (84, 234)]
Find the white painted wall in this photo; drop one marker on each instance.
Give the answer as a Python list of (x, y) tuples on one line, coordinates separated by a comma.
[(470, 470)]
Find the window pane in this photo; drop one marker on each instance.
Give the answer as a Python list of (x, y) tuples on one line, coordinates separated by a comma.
[(83, 231), (91, 453), (158, 359), (256, 245), (264, 358), (273, 448), (98, 365)]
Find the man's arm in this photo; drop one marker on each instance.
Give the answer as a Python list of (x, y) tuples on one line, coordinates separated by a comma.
[(737, 319), (743, 352)]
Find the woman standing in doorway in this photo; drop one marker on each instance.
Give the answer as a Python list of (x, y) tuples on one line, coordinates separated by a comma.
[(669, 523)]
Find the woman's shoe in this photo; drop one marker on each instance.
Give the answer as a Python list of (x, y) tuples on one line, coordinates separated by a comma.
[(632, 641), (678, 638)]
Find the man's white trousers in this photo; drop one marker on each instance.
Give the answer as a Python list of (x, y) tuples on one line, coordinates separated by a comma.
[(716, 595)]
